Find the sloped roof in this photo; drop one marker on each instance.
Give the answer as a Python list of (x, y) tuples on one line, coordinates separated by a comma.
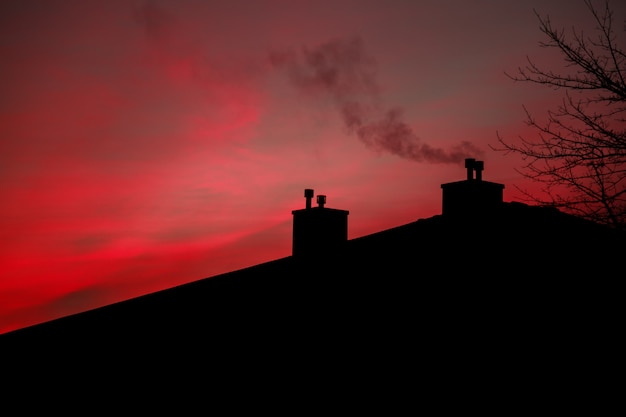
[(518, 246), (460, 305)]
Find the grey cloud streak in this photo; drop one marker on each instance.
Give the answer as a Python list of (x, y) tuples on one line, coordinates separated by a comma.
[(341, 69)]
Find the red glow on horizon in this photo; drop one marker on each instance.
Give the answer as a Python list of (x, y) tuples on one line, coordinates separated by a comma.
[(148, 145)]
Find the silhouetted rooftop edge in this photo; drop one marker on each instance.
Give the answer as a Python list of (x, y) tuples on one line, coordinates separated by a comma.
[(469, 249)]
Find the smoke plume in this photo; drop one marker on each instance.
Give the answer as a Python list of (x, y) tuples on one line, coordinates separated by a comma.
[(341, 70)]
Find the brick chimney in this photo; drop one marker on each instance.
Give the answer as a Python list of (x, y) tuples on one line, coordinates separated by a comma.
[(473, 196), (318, 229)]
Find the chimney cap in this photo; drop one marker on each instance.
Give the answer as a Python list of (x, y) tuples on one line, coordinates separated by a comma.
[(308, 194)]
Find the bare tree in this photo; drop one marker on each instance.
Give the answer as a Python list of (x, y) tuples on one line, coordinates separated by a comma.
[(579, 152)]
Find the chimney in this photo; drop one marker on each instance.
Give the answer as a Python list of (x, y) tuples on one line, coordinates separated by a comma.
[(469, 164), (472, 196), (308, 194), (478, 167), (318, 230)]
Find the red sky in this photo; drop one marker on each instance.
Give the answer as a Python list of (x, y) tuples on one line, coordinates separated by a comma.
[(146, 144)]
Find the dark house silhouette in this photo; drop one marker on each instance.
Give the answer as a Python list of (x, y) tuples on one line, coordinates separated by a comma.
[(487, 288)]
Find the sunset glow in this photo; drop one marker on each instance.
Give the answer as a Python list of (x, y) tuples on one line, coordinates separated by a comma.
[(146, 144)]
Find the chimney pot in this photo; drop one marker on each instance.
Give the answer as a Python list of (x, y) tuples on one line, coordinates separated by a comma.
[(470, 163), (478, 167), (321, 200), (308, 194)]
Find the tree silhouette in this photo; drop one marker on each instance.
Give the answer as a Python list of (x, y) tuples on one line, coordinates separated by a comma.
[(579, 154)]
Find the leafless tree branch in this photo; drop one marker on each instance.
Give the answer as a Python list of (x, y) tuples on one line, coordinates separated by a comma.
[(579, 152)]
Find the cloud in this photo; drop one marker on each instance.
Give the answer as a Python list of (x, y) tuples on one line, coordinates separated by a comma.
[(340, 69)]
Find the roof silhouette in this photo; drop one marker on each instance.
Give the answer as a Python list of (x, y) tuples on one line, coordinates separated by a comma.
[(485, 279)]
